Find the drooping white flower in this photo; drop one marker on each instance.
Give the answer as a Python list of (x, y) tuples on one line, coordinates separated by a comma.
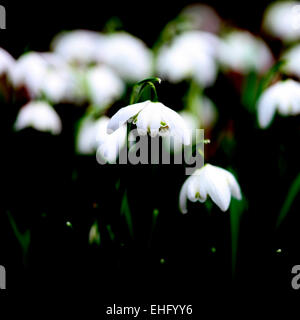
[(104, 86), (242, 52), (40, 116), (191, 55), (6, 62), (283, 96), (281, 20), (292, 61), (127, 55), (210, 180), (153, 118), (29, 71), (79, 46)]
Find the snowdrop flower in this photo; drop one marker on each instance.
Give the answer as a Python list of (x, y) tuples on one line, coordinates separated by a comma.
[(191, 55), (242, 52), (29, 71), (78, 46), (127, 55), (6, 62), (283, 96), (40, 116), (210, 180), (292, 61), (104, 86), (153, 118), (281, 20)]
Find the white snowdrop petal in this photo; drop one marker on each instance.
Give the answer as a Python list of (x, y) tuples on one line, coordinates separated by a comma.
[(283, 96), (176, 123), (192, 189), (40, 116), (219, 192), (124, 115), (183, 196), (266, 111)]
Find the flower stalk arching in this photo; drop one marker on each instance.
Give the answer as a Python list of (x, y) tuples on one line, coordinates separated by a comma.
[(139, 88)]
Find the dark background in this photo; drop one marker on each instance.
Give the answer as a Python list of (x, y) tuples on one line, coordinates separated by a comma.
[(44, 184)]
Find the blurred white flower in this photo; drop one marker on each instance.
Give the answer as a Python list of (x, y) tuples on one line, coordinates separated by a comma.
[(86, 136), (210, 180), (191, 55), (127, 55), (283, 96), (109, 145), (80, 47), (292, 61), (282, 20), (6, 62), (39, 115), (201, 17), (104, 86), (29, 71), (242, 52), (153, 118), (92, 137), (47, 74)]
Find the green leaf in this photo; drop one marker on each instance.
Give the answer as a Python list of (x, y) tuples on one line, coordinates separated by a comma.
[(292, 193), (23, 238), (125, 210)]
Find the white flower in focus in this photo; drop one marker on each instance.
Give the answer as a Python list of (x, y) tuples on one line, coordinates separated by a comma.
[(78, 46), (40, 116), (127, 55), (104, 86), (281, 20), (210, 180), (242, 52), (283, 96), (292, 61), (191, 55), (153, 118), (6, 62)]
